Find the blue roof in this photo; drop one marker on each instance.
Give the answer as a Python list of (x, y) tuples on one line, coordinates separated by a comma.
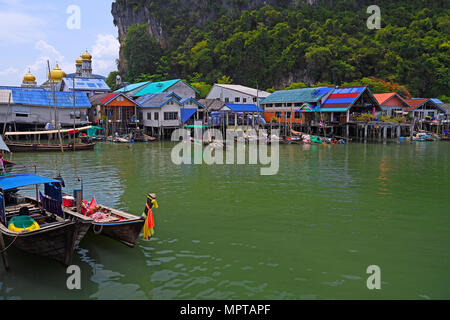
[(86, 84), (22, 180), (243, 107), (42, 97), (298, 95), (157, 100), (437, 101)]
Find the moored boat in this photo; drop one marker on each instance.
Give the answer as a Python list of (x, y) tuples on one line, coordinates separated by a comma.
[(109, 222), (36, 147), (38, 226)]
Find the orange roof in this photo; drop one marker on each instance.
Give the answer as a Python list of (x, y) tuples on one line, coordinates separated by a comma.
[(383, 97)]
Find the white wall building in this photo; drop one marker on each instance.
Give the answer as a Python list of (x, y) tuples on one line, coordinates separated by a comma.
[(236, 94)]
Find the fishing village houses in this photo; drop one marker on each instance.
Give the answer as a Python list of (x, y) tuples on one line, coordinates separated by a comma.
[(158, 108)]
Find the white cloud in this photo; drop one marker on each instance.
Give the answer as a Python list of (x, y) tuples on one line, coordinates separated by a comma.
[(19, 28), (48, 53), (104, 54)]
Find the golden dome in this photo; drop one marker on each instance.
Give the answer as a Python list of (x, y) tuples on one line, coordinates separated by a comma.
[(57, 74), (86, 56), (29, 78), (79, 60)]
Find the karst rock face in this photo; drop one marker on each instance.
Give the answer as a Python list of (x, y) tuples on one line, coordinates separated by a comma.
[(158, 13)]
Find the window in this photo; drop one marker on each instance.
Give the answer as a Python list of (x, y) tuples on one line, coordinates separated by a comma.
[(298, 115), (227, 99), (289, 105), (278, 105), (244, 100), (278, 114), (156, 116), (170, 115), (21, 115), (237, 99), (149, 116), (254, 99), (288, 115)]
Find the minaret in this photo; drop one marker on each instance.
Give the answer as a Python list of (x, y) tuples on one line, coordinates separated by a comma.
[(79, 67), (86, 65), (29, 80)]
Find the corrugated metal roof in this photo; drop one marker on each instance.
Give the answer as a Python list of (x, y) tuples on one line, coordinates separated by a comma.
[(250, 91), (156, 100), (383, 97), (342, 99), (158, 87), (437, 101), (298, 95), (133, 86), (417, 102), (86, 84), (42, 97)]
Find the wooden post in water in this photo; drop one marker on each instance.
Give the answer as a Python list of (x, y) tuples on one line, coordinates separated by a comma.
[(4, 255)]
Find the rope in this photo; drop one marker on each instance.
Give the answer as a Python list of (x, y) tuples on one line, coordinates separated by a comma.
[(7, 247), (97, 232)]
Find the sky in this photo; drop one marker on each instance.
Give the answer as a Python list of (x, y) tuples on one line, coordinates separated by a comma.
[(32, 32)]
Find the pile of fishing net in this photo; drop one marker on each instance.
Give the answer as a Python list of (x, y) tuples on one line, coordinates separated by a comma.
[(93, 211)]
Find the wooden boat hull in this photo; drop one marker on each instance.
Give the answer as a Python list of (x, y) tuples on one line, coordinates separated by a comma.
[(30, 147), (57, 243), (126, 232)]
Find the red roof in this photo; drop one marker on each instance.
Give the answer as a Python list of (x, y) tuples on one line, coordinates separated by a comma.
[(415, 103), (108, 97)]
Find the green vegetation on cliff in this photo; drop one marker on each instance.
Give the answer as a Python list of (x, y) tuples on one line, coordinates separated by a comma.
[(271, 47)]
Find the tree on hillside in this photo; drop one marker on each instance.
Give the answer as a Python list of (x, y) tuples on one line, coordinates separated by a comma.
[(142, 52)]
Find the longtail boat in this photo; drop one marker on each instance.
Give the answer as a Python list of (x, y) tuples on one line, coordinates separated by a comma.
[(35, 147), (110, 222), (38, 226), (16, 146)]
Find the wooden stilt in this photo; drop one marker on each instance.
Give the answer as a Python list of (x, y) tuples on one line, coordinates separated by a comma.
[(4, 255)]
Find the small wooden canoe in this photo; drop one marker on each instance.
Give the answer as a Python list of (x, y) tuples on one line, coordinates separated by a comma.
[(34, 147)]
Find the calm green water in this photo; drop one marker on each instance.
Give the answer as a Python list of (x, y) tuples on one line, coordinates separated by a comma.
[(225, 232)]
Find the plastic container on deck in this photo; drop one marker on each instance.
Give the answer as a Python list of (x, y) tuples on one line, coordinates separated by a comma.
[(68, 201)]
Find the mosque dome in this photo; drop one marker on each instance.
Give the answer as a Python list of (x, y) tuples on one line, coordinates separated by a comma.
[(86, 56), (57, 74), (29, 78), (79, 60)]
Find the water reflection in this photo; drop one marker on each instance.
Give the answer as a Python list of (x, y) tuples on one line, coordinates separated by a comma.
[(225, 232)]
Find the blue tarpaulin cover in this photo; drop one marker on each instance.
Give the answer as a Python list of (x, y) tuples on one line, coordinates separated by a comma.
[(22, 180), (243, 107), (186, 114)]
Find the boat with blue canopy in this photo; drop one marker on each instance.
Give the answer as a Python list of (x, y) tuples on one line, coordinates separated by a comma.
[(38, 225)]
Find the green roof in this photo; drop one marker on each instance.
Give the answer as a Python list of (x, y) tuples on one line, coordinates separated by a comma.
[(133, 86), (298, 95), (157, 87)]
